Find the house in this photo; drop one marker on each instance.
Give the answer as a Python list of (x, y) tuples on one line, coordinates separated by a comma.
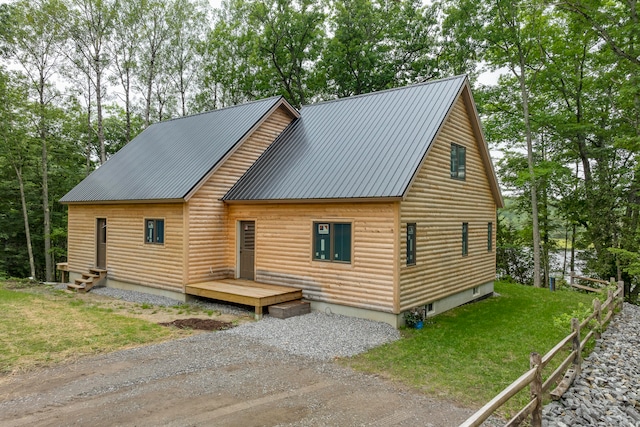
[(370, 205)]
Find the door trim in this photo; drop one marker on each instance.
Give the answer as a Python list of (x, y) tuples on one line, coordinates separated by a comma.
[(239, 244)]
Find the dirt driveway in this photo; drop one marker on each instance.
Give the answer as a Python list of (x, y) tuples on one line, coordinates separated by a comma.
[(213, 379)]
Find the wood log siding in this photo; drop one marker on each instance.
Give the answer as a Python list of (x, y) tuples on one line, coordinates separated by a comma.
[(439, 205), (207, 215), (129, 258), (284, 244)]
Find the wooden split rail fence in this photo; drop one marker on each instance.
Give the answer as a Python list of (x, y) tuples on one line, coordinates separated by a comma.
[(566, 372)]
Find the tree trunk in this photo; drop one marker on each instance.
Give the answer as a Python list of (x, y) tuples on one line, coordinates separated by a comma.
[(45, 187), (89, 130), (27, 231), (532, 179), (98, 69)]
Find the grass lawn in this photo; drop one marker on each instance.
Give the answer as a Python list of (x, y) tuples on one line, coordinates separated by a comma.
[(40, 328), (471, 353)]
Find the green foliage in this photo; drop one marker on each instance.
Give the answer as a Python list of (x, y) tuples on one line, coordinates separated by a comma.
[(563, 321)]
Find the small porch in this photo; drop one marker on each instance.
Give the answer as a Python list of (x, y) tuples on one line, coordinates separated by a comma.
[(245, 292)]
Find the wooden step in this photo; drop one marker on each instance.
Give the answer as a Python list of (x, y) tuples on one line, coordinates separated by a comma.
[(289, 309), (89, 276), (98, 271), (85, 280), (75, 287)]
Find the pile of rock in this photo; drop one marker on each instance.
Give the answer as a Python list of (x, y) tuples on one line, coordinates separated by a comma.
[(607, 392)]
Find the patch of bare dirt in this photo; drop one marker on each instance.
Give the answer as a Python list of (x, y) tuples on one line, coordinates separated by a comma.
[(200, 324)]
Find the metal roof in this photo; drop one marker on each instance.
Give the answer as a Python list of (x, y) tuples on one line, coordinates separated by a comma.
[(367, 146), (169, 158)]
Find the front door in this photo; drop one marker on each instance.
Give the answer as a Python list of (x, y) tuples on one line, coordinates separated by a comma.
[(247, 249), (101, 243)]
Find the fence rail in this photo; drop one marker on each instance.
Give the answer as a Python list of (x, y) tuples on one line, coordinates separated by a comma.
[(568, 369)]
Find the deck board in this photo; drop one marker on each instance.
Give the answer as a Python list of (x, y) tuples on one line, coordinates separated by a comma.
[(245, 292)]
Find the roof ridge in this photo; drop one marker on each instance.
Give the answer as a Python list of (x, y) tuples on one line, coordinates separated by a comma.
[(393, 89), (220, 109)]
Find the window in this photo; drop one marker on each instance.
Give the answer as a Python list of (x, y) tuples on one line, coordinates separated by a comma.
[(332, 241), (458, 161), (489, 236), (465, 238), (475, 291), (154, 231), (411, 244), (429, 307)]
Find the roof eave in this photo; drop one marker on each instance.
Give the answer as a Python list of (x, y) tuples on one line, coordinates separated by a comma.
[(121, 202), (332, 200), (484, 148)]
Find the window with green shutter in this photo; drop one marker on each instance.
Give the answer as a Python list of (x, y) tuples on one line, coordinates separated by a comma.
[(154, 231), (411, 244), (465, 238), (332, 241)]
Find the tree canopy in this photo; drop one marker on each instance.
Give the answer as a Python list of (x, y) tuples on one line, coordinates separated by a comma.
[(83, 77)]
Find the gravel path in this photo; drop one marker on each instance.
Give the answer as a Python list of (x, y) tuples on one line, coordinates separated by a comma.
[(607, 392), (317, 335)]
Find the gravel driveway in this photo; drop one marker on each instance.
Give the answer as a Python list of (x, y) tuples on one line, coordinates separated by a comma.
[(269, 373)]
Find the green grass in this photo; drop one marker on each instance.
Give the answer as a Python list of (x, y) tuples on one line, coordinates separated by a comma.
[(471, 353), (37, 328)]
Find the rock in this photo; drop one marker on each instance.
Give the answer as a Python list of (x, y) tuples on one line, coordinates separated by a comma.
[(605, 393)]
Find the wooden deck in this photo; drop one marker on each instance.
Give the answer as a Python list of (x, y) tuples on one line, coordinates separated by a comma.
[(245, 292)]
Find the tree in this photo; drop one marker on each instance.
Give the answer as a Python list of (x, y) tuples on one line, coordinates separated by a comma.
[(186, 21), (15, 145), (33, 36), (512, 33), (379, 45), (289, 36), (124, 51), (154, 35), (90, 30)]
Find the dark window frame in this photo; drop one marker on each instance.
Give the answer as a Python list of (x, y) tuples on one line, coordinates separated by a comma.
[(154, 235), (411, 243), (332, 233), (458, 166), (465, 238), (489, 236)]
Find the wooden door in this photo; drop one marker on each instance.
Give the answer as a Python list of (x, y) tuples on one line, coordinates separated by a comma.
[(101, 243), (247, 249)]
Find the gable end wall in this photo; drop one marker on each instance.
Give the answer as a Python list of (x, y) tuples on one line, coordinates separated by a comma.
[(207, 214), (439, 205)]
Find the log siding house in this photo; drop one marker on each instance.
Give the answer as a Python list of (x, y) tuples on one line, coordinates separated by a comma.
[(372, 205)]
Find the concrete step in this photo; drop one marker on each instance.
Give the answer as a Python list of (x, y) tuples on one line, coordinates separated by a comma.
[(289, 309)]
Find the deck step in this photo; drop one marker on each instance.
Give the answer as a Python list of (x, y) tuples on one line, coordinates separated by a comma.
[(289, 309), (88, 280)]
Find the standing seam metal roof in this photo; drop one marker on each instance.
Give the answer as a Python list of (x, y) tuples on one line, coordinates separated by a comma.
[(169, 158), (367, 146)]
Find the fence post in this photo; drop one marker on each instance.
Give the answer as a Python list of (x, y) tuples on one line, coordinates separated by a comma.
[(597, 307), (575, 326), (621, 291), (536, 389), (571, 278)]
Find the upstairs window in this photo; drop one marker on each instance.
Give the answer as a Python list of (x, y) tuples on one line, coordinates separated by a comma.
[(154, 231), (332, 241), (465, 238), (458, 161), (411, 244)]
